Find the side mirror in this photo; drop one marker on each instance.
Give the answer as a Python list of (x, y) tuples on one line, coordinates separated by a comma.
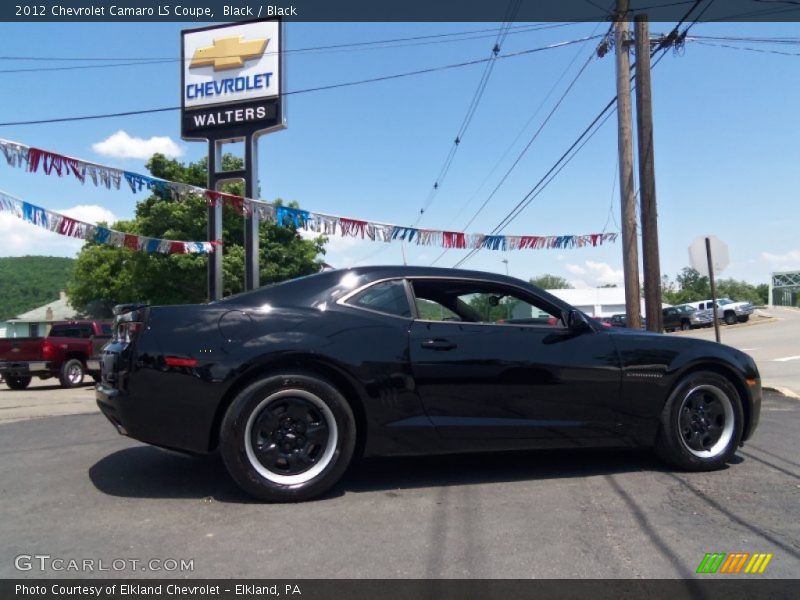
[(577, 322)]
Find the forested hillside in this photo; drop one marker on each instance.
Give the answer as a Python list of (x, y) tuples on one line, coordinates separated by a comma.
[(30, 281)]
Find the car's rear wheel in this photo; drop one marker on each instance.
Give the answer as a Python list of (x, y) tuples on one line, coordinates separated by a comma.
[(685, 326), (288, 438), (71, 374), (17, 383), (702, 423)]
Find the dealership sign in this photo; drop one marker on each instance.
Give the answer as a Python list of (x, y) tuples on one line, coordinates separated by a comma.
[(231, 80)]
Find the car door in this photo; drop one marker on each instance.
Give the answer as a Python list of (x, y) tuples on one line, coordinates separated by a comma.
[(494, 361), (671, 318)]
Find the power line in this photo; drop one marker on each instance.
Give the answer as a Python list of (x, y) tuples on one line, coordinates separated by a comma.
[(313, 89), (748, 48), (471, 109), (578, 144), (355, 46), (531, 141)]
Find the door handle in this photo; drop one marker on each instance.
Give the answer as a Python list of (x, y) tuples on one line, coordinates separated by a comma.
[(438, 344)]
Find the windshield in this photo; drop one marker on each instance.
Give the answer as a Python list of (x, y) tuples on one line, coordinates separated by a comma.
[(686, 309), (724, 301)]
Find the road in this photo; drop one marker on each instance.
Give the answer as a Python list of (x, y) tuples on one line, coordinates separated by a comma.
[(774, 344), (46, 398), (71, 488)]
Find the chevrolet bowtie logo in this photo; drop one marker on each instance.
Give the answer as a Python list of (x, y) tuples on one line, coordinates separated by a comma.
[(228, 53)]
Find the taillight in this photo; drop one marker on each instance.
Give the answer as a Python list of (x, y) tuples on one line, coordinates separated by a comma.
[(47, 349)]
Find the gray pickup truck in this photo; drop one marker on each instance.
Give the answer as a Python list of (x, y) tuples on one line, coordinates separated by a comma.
[(727, 310)]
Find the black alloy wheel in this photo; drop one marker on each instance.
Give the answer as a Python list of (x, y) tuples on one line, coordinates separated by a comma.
[(288, 437), (702, 423), (290, 434)]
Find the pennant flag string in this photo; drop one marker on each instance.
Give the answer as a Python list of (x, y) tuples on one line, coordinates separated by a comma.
[(36, 159), (67, 226)]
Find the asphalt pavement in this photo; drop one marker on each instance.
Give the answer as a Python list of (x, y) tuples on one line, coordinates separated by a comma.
[(72, 489), (774, 343)]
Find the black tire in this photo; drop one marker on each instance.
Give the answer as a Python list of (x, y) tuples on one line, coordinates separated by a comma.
[(276, 461), (730, 318), (18, 383), (71, 374), (685, 326), (744, 318), (701, 439)]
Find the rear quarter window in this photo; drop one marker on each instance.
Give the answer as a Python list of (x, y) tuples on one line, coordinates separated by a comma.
[(388, 297)]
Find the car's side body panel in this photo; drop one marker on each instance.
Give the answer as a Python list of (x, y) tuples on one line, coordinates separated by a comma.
[(544, 388)]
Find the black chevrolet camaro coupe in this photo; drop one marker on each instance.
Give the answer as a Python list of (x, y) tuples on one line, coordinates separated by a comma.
[(291, 381)]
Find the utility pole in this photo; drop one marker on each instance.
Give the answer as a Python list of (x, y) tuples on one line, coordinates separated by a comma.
[(630, 244), (647, 178)]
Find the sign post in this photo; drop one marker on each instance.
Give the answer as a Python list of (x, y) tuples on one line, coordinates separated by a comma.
[(232, 91), (713, 287), (707, 254)]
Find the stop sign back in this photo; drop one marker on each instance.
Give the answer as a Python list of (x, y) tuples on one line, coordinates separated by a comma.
[(720, 258)]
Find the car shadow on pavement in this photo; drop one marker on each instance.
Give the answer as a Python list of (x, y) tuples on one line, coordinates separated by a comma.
[(147, 472)]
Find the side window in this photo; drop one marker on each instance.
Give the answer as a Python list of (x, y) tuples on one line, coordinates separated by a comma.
[(386, 297), (478, 302), (430, 310)]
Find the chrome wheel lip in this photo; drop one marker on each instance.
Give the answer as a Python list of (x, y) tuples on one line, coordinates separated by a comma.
[(319, 466), (727, 428)]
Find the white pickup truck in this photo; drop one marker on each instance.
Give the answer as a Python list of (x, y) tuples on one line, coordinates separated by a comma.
[(727, 310)]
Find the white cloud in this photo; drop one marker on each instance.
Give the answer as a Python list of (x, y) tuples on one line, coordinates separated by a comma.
[(789, 261), (122, 145), (605, 273), (595, 274), (90, 213), (21, 238), (576, 269)]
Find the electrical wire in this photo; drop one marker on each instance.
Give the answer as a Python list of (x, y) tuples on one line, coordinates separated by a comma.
[(577, 145), (356, 46), (472, 108), (313, 89), (527, 147)]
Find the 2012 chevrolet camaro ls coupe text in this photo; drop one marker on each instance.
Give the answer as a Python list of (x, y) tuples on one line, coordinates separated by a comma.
[(292, 380)]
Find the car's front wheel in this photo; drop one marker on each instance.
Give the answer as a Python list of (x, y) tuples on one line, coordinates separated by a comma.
[(71, 374), (702, 423), (730, 318), (288, 437)]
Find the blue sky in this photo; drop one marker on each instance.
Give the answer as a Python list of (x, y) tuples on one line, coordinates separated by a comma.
[(726, 139)]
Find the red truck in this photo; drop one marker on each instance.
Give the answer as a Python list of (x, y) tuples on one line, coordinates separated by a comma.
[(70, 351)]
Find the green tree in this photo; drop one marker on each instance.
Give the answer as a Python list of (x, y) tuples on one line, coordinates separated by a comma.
[(551, 282), (104, 275)]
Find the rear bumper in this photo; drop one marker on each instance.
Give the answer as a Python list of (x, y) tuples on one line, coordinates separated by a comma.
[(112, 406), (149, 419), (24, 369)]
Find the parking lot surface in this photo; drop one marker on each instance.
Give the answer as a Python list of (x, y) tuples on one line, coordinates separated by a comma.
[(71, 488)]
